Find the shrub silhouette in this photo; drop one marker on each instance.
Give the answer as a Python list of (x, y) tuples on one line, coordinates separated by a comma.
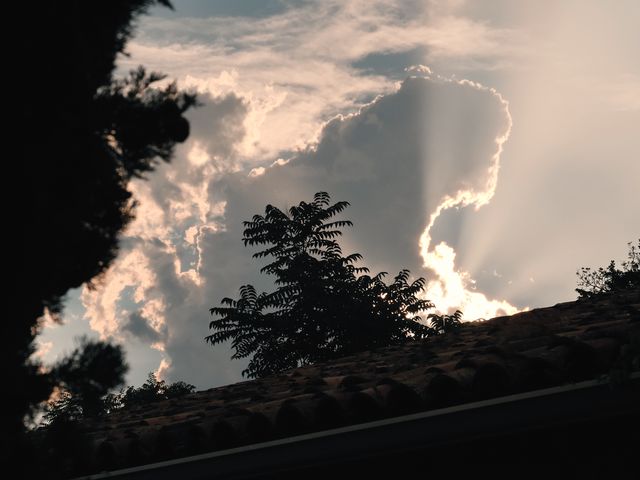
[(81, 399), (153, 390), (441, 324), (88, 374), (60, 444), (324, 306), (611, 279)]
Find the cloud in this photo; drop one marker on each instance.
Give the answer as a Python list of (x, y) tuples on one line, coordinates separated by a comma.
[(432, 144), (302, 65), (42, 349), (418, 164), (269, 85), (138, 326), (155, 280), (393, 161)]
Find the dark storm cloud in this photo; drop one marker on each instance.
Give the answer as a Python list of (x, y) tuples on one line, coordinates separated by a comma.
[(138, 326)]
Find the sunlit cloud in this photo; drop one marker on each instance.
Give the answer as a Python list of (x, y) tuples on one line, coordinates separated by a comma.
[(453, 288), (296, 69), (186, 251), (161, 372), (42, 349), (312, 98), (131, 270)]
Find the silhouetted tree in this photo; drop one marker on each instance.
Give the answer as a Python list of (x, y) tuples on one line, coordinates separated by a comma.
[(82, 136), (441, 324), (90, 372), (75, 403), (153, 390), (611, 279), (322, 307)]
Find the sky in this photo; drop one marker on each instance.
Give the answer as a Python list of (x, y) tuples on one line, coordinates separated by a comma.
[(490, 146)]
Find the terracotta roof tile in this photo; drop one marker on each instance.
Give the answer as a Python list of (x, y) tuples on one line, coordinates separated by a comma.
[(545, 347)]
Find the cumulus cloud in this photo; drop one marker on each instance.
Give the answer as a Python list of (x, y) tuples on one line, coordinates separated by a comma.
[(400, 160), (304, 64), (42, 348), (268, 85), (155, 279), (418, 164), (434, 144)]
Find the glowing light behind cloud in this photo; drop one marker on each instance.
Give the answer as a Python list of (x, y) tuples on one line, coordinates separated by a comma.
[(568, 190), (454, 288), (161, 372)]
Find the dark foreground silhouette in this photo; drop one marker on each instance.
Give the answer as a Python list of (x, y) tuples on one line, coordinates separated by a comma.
[(82, 135)]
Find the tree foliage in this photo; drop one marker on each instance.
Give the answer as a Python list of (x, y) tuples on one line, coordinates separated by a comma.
[(593, 282), (87, 374), (324, 306), (153, 390), (82, 136), (74, 404), (441, 324)]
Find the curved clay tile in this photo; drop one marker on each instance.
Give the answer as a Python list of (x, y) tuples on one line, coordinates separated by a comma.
[(607, 350), (328, 413), (137, 453), (491, 380), (106, 457), (259, 428), (291, 420), (197, 439), (442, 391), (464, 377), (399, 399), (223, 432), (166, 444), (351, 383), (362, 408), (532, 373)]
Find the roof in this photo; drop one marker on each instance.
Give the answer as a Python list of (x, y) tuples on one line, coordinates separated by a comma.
[(502, 357)]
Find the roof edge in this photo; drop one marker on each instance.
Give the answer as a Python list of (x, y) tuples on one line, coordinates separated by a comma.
[(604, 399)]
